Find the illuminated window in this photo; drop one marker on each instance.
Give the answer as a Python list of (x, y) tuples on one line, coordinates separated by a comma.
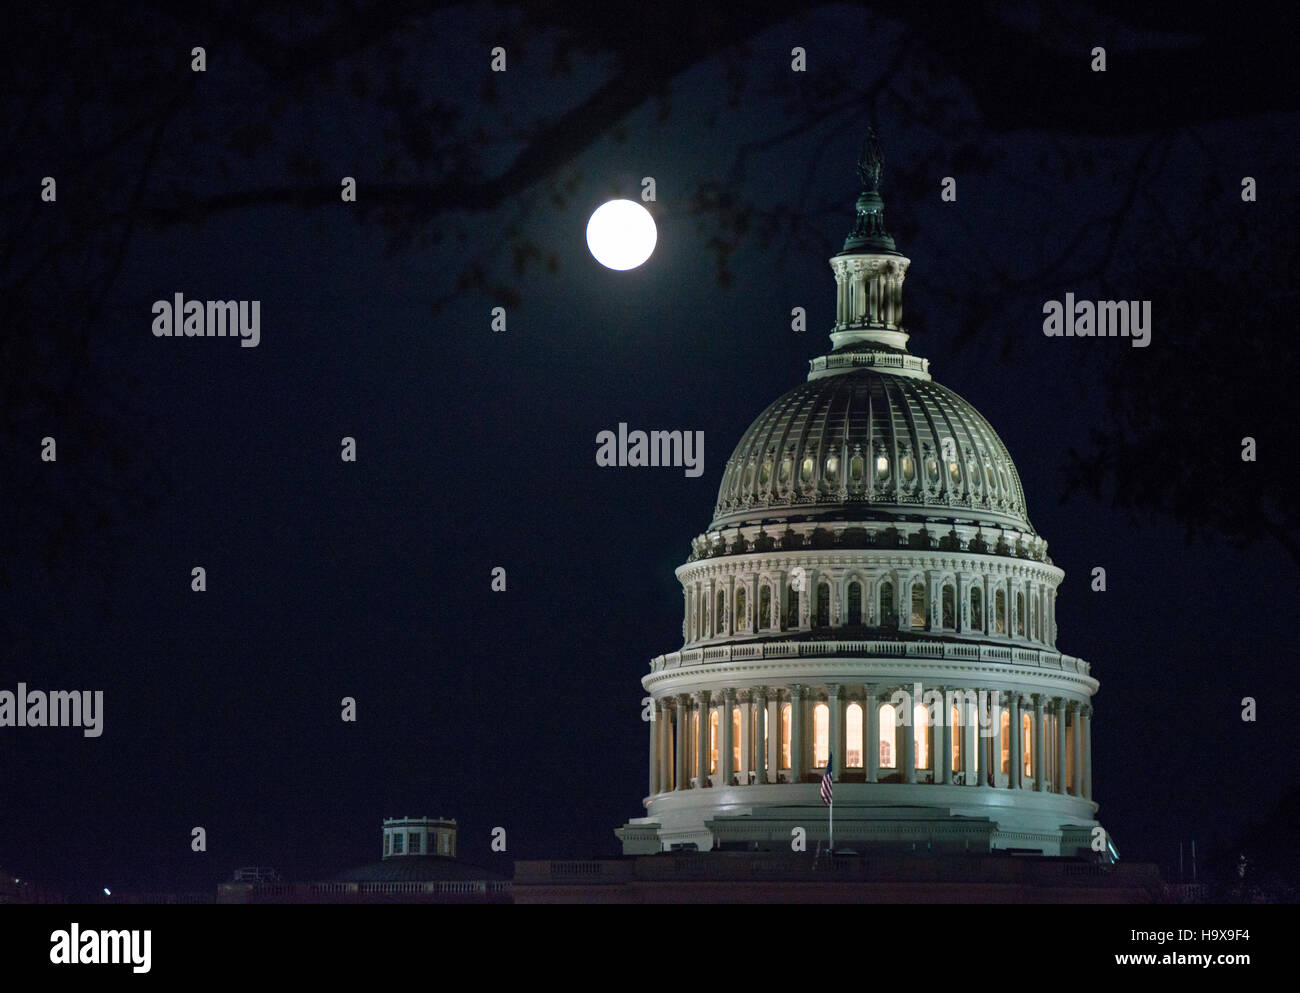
[(1027, 737), (735, 739), (1005, 738), (823, 604), (932, 469), (740, 608), (821, 735), (806, 470), (976, 608), (855, 603), (954, 473), (765, 607), (857, 469), (853, 734), (888, 736), (888, 614), (1000, 612), (958, 736), (785, 736), (1020, 614), (787, 464), (949, 608), (918, 605), (713, 742), (923, 733), (765, 473), (694, 757), (882, 467), (833, 469), (909, 469)]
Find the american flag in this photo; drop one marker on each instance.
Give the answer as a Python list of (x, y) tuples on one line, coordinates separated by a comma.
[(826, 782)]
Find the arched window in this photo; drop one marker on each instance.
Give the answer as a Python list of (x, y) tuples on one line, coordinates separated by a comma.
[(1027, 738), (787, 465), (821, 735), (909, 469), (918, 605), (735, 739), (882, 467), (855, 603), (853, 736), (888, 613), (785, 736), (713, 741), (765, 607), (792, 615), (932, 469), (923, 734), (976, 609), (765, 473), (949, 608), (806, 470), (1000, 612), (720, 615), (1020, 613), (957, 732), (888, 736), (694, 758), (1005, 738), (823, 604), (857, 470), (740, 609), (832, 474)]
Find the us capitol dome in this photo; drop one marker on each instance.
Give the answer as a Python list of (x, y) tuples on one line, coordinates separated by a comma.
[(870, 593)]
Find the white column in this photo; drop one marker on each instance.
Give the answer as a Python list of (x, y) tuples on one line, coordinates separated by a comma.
[(1087, 752), (908, 734), (943, 761), (1040, 758), (683, 729), (1077, 785), (725, 769), (654, 747), (836, 704), (971, 761), (702, 743), (871, 734), (774, 736), (1060, 746), (1014, 781), (796, 732)]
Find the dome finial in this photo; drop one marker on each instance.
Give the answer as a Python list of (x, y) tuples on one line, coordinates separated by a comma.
[(871, 160), (869, 234)]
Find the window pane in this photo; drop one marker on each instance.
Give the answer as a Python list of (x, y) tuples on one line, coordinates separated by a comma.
[(853, 734), (821, 735)]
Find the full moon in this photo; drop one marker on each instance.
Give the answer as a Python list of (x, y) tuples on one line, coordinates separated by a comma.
[(621, 234)]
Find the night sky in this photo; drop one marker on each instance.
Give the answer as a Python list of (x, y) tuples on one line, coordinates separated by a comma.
[(476, 449)]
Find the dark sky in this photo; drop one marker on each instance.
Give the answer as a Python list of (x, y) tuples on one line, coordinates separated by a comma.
[(521, 709)]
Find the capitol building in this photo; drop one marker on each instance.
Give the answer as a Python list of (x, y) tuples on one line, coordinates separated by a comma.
[(870, 594)]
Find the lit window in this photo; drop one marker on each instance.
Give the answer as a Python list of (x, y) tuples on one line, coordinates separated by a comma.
[(806, 470), (918, 606), (1005, 738), (1027, 737), (976, 608), (888, 736), (694, 744), (958, 736), (821, 735), (932, 468), (833, 469), (923, 731), (954, 473), (949, 608), (853, 734), (855, 603), (765, 473), (857, 469), (786, 465), (785, 736), (909, 469), (735, 739), (882, 466), (713, 741)]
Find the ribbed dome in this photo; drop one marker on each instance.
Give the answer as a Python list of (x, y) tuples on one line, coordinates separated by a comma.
[(867, 445)]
